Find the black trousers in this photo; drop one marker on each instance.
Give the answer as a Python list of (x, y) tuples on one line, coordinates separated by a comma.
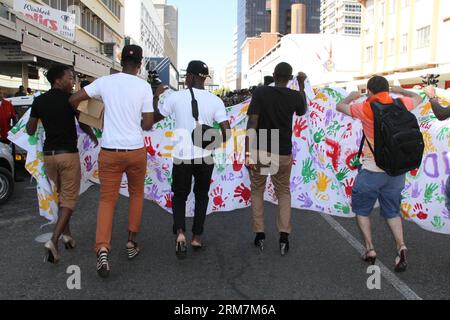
[(181, 187)]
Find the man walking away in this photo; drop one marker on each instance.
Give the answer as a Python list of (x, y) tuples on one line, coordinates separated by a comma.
[(189, 160), (271, 111), (128, 111), (61, 158), (373, 183)]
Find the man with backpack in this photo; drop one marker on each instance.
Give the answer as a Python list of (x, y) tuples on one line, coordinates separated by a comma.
[(393, 145)]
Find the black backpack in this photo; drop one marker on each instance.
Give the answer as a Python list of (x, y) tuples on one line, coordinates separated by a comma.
[(399, 143)]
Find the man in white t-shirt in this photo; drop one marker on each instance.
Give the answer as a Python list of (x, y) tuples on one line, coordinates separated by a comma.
[(189, 160), (128, 104)]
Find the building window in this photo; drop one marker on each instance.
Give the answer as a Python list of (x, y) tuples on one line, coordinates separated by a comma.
[(352, 8), (392, 46), (114, 6), (369, 54), (380, 50), (423, 37), (404, 43)]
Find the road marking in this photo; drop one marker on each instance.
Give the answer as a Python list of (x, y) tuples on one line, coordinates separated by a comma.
[(397, 283), (16, 220)]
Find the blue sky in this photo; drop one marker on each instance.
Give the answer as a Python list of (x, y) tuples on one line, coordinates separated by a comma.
[(205, 32)]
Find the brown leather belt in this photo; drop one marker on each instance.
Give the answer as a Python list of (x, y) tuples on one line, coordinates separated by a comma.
[(118, 150)]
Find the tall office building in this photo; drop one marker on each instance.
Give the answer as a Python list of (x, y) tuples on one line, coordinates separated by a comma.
[(252, 19), (283, 14), (340, 17), (169, 19)]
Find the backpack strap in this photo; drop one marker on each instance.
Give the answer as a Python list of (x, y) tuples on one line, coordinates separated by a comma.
[(361, 147), (194, 105)]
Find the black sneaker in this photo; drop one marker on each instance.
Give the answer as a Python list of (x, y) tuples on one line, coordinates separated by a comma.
[(103, 268)]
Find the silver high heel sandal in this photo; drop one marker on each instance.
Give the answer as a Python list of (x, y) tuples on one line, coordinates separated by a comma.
[(51, 254), (69, 243)]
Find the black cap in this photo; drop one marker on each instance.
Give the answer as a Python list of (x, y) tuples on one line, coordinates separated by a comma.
[(132, 52), (198, 68)]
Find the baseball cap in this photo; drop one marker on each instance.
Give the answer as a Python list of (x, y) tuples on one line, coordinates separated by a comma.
[(198, 68), (132, 52)]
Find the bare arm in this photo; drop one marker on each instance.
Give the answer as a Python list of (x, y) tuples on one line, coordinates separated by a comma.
[(32, 126), (77, 98), (252, 124), (440, 112), (416, 98), (344, 106), (226, 131), (147, 121)]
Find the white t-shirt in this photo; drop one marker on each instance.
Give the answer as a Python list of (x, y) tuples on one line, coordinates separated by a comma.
[(178, 105), (125, 98)]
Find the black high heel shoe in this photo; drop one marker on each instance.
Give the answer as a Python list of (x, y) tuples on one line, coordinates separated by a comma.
[(69, 243), (370, 260), (181, 249), (51, 253), (284, 243), (259, 240)]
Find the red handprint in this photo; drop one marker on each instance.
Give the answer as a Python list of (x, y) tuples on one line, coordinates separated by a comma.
[(414, 172), (299, 127), (168, 198), (244, 193), (334, 153), (348, 187), (218, 200), (150, 150), (419, 212), (315, 118), (237, 161), (348, 132)]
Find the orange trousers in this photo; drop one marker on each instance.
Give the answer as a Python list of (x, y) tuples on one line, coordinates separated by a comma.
[(112, 165)]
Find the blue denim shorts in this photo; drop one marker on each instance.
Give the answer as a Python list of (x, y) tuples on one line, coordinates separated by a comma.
[(372, 186), (447, 194)]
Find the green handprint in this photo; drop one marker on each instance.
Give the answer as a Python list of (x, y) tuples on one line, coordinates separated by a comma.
[(343, 208), (148, 181), (440, 199), (443, 133), (220, 161), (168, 175), (33, 140), (334, 128), (308, 173), (342, 174), (430, 189), (318, 136), (18, 127), (98, 133), (437, 222), (334, 94), (356, 161)]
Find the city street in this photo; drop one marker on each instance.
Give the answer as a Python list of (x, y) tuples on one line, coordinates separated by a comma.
[(324, 261)]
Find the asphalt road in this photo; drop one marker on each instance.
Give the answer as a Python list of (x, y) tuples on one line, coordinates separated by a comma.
[(323, 263)]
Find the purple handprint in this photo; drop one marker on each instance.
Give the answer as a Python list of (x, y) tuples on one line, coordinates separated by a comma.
[(446, 214), (320, 208), (328, 117), (88, 163), (295, 183), (153, 193), (416, 191), (306, 200), (159, 175), (443, 188), (87, 143), (407, 186), (295, 150)]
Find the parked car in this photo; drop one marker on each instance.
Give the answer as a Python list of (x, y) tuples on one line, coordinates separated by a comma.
[(6, 173), (21, 105)]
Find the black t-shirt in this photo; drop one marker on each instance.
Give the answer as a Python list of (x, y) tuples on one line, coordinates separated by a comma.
[(58, 118), (275, 107)]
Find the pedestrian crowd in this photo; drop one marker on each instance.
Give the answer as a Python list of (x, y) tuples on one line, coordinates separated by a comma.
[(132, 107)]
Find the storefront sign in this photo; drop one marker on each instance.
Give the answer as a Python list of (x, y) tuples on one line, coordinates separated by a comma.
[(60, 22)]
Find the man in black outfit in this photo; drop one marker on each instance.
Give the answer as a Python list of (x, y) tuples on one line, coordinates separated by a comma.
[(268, 148), (61, 158)]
